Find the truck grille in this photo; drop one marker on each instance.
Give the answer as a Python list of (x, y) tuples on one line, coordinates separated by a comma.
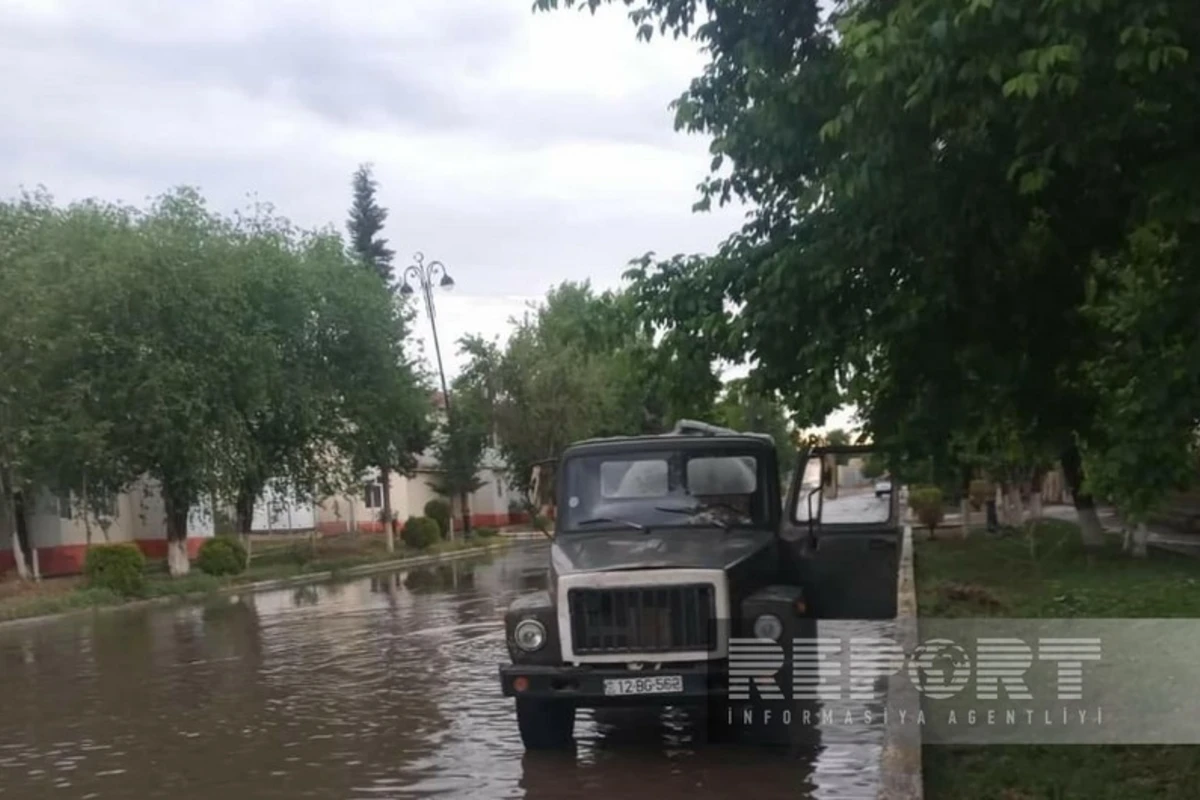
[(643, 619)]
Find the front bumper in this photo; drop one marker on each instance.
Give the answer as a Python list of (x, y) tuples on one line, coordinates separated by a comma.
[(584, 686)]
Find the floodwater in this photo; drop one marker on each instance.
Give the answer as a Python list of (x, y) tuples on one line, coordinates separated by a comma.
[(383, 687)]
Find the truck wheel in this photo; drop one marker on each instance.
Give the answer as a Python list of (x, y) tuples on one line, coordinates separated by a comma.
[(545, 724)]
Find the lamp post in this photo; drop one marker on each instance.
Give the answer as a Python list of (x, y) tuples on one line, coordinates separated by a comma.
[(424, 275)]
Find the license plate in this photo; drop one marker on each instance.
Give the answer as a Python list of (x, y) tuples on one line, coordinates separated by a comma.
[(656, 684)]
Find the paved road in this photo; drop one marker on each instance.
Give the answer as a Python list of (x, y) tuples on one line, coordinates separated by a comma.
[(1159, 536), (851, 505), (383, 687)]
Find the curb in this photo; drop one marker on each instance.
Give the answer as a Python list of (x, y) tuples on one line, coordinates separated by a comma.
[(900, 764), (266, 586)]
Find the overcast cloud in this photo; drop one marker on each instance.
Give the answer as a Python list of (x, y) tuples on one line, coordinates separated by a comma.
[(519, 149)]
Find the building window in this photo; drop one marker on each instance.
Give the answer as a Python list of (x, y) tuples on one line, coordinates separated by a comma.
[(373, 494), (499, 487), (64, 505)]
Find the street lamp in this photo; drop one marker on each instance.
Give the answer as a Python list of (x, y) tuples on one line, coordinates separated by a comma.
[(424, 275)]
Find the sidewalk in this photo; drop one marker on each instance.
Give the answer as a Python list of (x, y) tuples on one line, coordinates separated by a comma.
[(1161, 536)]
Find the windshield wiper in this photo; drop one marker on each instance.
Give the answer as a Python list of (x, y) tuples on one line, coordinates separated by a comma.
[(692, 511), (625, 522)]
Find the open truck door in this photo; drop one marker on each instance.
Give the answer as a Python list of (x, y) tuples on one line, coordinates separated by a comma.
[(845, 533)]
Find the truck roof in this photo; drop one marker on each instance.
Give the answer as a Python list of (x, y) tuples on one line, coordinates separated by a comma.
[(685, 431)]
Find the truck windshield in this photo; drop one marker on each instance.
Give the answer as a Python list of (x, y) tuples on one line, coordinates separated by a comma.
[(664, 488)]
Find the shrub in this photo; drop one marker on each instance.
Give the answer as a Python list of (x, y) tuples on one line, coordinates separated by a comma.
[(221, 556), (420, 533), (980, 492), (118, 568), (439, 511), (485, 533), (926, 503)]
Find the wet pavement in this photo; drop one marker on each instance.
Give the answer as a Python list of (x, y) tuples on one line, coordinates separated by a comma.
[(382, 687)]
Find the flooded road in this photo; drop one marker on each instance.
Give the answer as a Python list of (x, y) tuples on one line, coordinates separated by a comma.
[(384, 687)]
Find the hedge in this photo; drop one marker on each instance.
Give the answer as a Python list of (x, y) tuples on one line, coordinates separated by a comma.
[(439, 510), (420, 533), (221, 556), (119, 568), (926, 503)]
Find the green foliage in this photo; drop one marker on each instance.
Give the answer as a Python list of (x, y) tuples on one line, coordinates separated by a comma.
[(874, 466), (980, 492), (439, 511), (485, 533), (420, 533), (221, 555), (579, 365), (974, 222), (119, 568), (460, 444), (208, 353), (743, 409), (839, 438), (366, 221), (926, 503)]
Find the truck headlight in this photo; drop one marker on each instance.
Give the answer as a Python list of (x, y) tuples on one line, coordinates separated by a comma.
[(768, 626), (530, 635)]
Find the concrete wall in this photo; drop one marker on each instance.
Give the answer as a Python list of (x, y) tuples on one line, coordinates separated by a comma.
[(277, 511), (489, 504), (59, 533)]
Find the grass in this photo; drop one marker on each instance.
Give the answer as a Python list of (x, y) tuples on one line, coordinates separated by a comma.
[(284, 557), (1047, 573), (1063, 772)]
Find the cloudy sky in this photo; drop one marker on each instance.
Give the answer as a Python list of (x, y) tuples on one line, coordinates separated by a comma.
[(520, 149)]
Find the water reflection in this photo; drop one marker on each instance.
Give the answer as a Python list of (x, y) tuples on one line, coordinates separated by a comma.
[(380, 687)]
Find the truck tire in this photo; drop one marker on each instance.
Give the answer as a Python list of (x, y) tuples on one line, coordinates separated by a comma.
[(545, 724)]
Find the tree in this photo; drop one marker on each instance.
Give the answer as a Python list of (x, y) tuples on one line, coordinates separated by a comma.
[(385, 413), (936, 190), (389, 418), (742, 409), (207, 354), (467, 433), (459, 449), (365, 224), (290, 403), (839, 438), (579, 365)]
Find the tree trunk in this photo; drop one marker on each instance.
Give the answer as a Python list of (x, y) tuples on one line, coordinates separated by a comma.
[(244, 512), (11, 525), (1138, 543), (385, 480), (177, 517), (1016, 506), (465, 499), (1091, 532), (87, 513), (1035, 502), (964, 511)]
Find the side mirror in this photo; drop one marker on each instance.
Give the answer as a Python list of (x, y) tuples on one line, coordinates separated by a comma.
[(812, 518)]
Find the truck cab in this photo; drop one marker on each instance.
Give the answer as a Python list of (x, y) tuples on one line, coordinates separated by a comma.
[(664, 548)]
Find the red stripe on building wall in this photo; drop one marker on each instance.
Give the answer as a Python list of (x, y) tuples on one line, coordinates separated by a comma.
[(157, 548), (68, 559), (490, 520)]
